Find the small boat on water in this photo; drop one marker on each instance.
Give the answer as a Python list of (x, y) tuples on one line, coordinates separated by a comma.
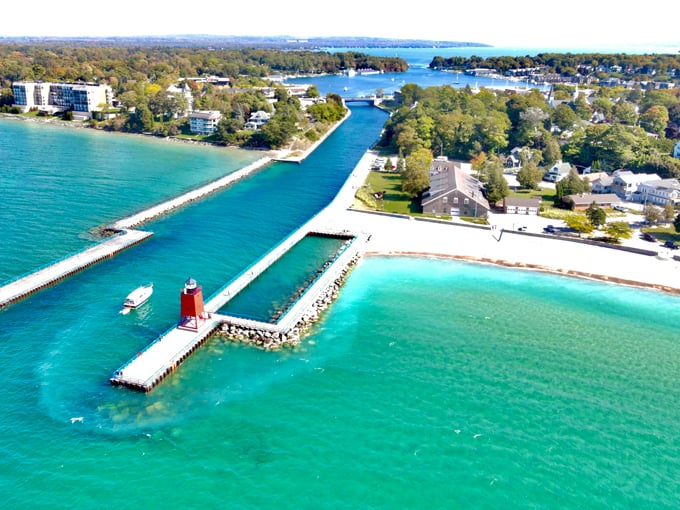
[(138, 297)]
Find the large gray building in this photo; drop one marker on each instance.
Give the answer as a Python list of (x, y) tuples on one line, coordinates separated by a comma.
[(453, 191)]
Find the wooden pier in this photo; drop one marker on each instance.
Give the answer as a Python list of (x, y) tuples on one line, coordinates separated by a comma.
[(24, 286)]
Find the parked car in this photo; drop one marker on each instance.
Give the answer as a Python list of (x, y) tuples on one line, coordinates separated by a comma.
[(649, 237), (550, 229), (671, 244), (521, 229), (619, 208)]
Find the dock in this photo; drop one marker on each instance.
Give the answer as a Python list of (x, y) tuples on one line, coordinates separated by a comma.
[(37, 280), (149, 367)]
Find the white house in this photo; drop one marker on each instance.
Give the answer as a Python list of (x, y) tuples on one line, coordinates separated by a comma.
[(626, 183), (658, 192), (525, 206), (676, 150), (257, 120), (204, 122), (557, 172)]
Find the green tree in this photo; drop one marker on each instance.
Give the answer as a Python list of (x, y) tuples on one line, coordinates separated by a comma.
[(668, 211), (655, 119), (496, 186), (417, 172), (596, 215), (313, 91), (388, 166), (580, 224), (618, 230), (529, 175), (676, 223), (564, 117)]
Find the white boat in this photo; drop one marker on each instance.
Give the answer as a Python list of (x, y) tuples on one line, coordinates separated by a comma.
[(139, 296)]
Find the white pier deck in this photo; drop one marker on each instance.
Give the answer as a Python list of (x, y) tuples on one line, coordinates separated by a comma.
[(158, 359), (37, 280)]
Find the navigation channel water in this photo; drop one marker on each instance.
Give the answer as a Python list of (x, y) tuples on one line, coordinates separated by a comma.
[(428, 384)]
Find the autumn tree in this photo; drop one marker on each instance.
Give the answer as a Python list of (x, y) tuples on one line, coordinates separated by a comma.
[(580, 224), (618, 230), (668, 211)]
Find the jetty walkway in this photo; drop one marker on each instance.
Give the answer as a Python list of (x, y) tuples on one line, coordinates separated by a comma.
[(190, 196), (151, 365), (125, 237), (26, 285)]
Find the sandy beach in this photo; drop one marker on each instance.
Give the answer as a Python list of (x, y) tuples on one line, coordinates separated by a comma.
[(393, 235)]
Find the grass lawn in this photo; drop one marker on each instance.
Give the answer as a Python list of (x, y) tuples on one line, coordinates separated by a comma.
[(394, 200), (663, 232)]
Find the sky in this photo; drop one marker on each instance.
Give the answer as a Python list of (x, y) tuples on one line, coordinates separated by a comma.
[(518, 23)]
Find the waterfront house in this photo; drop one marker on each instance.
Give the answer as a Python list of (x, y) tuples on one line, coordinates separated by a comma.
[(204, 122), (524, 206), (626, 183), (257, 120), (453, 190), (658, 192)]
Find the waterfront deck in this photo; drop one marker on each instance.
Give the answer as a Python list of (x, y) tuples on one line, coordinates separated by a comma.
[(38, 280)]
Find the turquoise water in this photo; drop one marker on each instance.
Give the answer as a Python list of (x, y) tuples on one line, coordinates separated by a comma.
[(273, 292), (428, 384), (59, 185)]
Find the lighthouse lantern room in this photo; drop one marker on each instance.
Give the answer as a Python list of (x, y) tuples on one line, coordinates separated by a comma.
[(192, 310)]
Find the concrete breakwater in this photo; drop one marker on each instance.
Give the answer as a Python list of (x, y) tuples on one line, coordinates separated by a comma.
[(269, 336), (44, 277), (190, 196)]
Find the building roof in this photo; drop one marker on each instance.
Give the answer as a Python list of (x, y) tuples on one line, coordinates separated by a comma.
[(522, 202), (599, 198), (628, 177), (448, 176), (206, 114)]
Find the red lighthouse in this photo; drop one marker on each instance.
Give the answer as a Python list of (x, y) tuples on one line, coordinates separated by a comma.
[(191, 305)]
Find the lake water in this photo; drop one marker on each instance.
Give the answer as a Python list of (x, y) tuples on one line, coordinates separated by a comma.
[(428, 384)]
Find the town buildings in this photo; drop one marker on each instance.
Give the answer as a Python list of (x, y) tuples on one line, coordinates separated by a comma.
[(453, 190)]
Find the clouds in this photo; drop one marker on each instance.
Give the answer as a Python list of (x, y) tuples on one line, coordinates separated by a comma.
[(523, 23)]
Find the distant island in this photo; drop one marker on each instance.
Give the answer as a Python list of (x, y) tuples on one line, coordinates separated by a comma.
[(222, 42)]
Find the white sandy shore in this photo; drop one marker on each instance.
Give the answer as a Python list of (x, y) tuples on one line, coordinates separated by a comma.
[(395, 235)]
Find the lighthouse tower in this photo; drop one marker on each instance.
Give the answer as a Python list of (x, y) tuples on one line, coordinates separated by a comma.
[(191, 306)]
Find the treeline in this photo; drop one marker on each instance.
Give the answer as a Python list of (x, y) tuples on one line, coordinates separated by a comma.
[(640, 67), (117, 66), (637, 129), (140, 77)]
